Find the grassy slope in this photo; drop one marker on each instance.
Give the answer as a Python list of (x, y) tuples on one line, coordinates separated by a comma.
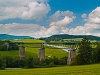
[(48, 52), (34, 51), (29, 41), (66, 70)]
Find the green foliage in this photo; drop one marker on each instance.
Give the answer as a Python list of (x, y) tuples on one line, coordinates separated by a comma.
[(85, 53), (2, 63), (63, 61), (96, 53), (30, 63), (8, 45), (51, 64)]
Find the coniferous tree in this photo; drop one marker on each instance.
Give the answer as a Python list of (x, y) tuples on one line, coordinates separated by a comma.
[(96, 54), (84, 54), (85, 51)]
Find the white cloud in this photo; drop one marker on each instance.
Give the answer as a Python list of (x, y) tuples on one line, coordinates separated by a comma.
[(92, 26), (36, 11), (84, 15), (94, 16), (25, 9), (60, 20), (59, 15), (36, 30), (20, 29), (58, 25)]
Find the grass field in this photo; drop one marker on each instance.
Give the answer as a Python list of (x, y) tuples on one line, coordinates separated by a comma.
[(28, 41), (16, 53), (48, 52), (93, 69), (66, 70), (31, 51), (34, 52)]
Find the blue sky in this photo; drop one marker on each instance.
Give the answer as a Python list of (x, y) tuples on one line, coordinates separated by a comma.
[(42, 18)]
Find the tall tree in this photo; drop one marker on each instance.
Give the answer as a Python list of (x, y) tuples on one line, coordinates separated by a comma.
[(84, 54), (96, 53)]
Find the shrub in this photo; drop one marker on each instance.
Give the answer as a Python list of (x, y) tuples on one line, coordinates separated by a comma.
[(51, 64), (2, 63), (30, 63)]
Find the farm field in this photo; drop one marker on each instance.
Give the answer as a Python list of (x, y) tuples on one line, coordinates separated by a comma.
[(93, 69), (32, 49), (34, 52), (28, 41), (49, 52)]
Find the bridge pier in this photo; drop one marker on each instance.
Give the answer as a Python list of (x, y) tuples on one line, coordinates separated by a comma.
[(41, 53), (21, 52), (71, 56)]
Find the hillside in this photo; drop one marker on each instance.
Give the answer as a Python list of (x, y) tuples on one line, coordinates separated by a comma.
[(66, 36), (11, 37), (32, 49)]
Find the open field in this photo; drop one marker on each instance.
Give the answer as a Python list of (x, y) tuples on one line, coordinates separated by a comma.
[(34, 52), (28, 41), (32, 49), (93, 69), (16, 53), (66, 70)]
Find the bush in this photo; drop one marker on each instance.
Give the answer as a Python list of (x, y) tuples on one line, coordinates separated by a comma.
[(51, 64), (7, 45), (30, 63), (2, 63), (96, 54), (63, 61)]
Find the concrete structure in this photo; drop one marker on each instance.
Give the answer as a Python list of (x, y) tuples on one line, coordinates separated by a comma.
[(41, 53), (71, 56), (7, 45), (21, 52)]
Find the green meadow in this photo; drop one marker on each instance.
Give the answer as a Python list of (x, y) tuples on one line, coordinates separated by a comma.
[(93, 69), (28, 41), (32, 49), (49, 52)]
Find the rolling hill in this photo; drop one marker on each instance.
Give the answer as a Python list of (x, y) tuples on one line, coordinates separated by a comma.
[(67, 36), (11, 37), (59, 36)]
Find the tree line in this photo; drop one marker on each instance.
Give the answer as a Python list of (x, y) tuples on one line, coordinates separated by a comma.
[(87, 54), (30, 62), (8, 45)]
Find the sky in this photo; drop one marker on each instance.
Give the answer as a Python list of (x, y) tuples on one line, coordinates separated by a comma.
[(43, 18)]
